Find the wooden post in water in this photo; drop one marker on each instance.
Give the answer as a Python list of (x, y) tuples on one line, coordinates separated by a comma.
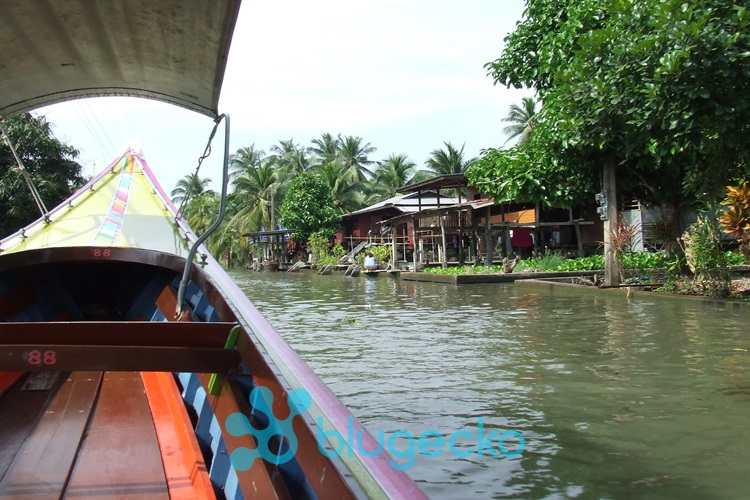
[(444, 257), (609, 184), (489, 244), (394, 252), (414, 239)]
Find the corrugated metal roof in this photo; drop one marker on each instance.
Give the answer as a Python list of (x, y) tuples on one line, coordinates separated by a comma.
[(408, 203)]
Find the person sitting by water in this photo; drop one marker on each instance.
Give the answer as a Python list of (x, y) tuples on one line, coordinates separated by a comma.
[(371, 263)]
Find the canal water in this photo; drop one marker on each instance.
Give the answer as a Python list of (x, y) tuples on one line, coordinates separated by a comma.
[(614, 397)]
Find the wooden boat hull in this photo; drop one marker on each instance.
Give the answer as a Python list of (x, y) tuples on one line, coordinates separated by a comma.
[(127, 355), (105, 319)]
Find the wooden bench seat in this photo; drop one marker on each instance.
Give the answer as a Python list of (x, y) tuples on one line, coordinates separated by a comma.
[(117, 346)]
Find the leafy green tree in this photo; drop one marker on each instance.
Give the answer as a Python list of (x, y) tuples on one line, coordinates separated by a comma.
[(448, 161), (308, 208), (529, 174), (50, 164), (660, 89), (522, 119)]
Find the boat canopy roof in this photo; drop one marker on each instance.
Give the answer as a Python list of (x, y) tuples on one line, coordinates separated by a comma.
[(169, 50)]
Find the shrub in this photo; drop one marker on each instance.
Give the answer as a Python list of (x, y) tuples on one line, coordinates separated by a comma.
[(735, 219), (706, 258)]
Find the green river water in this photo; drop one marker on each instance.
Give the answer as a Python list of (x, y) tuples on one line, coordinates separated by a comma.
[(646, 397)]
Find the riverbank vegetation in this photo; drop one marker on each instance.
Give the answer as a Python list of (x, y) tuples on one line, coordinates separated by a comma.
[(264, 195), (658, 93), (657, 89), (557, 262)]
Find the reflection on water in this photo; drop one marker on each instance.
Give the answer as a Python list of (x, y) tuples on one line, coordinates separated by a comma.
[(647, 397)]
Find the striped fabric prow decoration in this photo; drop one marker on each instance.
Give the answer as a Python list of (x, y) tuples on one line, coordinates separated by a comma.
[(115, 216)]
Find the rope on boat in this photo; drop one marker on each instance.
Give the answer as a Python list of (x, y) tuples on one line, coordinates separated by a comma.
[(222, 209), (27, 177)]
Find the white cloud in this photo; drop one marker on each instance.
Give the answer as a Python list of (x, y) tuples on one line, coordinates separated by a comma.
[(405, 75)]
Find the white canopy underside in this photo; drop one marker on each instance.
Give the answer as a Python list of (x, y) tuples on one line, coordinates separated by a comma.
[(170, 50)]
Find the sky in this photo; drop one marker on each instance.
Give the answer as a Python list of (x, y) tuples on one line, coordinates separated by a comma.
[(405, 75)]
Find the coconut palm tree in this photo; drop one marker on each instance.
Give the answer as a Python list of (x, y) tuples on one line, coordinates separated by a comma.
[(202, 210), (448, 161), (190, 186), (244, 158), (395, 172), (347, 193), (353, 156), (254, 196), (325, 149), (291, 159), (522, 119)]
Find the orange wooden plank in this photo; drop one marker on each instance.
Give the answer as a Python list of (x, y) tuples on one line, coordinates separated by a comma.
[(8, 380), (42, 466), (120, 456), (184, 467)]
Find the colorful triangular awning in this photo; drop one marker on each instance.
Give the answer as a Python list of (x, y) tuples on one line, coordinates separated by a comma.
[(123, 206)]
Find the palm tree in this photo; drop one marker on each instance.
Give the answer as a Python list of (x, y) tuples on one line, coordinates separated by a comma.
[(190, 186), (448, 161), (395, 172), (347, 193), (326, 149), (244, 158), (226, 243), (296, 163), (353, 156), (291, 159), (283, 148), (255, 190), (523, 119), (202, 210)]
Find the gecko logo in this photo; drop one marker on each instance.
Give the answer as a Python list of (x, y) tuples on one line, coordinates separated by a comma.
[(278, 444), (271, 438)]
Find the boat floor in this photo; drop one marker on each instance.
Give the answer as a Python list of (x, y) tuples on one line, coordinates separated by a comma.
[(90, 435)]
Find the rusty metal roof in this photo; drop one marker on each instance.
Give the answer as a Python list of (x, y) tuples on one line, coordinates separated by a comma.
[(169, 50), (445, 181)]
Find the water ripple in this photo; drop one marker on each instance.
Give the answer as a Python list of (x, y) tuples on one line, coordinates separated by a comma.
[(614, 397)]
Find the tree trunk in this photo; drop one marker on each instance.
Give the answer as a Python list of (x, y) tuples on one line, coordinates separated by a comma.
[(611, 266)]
